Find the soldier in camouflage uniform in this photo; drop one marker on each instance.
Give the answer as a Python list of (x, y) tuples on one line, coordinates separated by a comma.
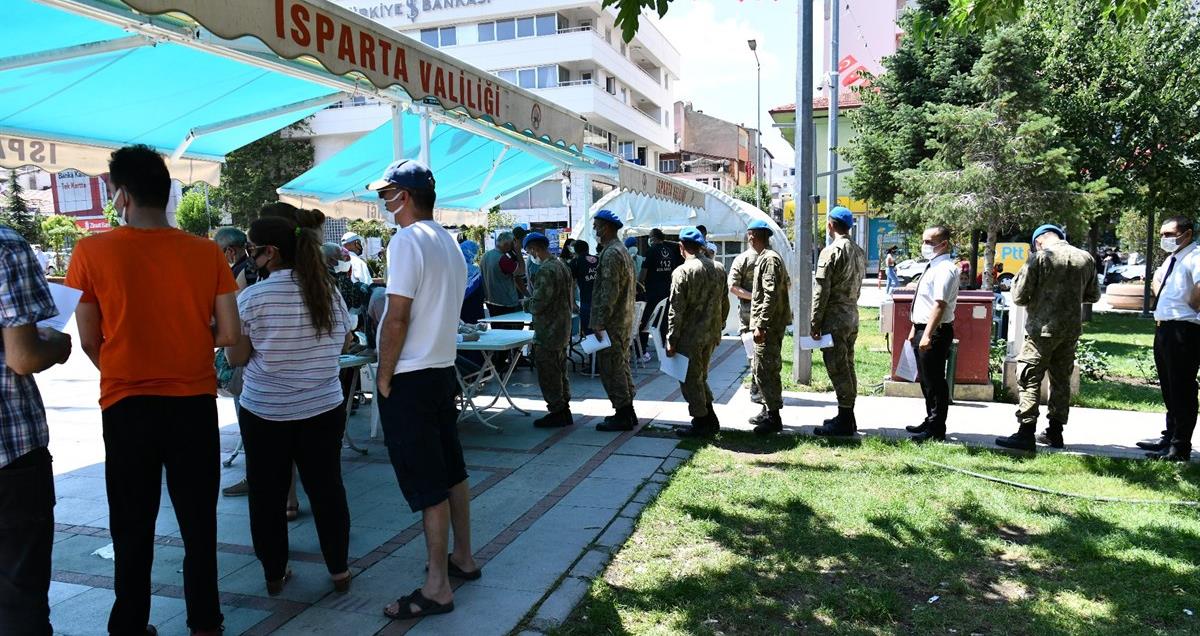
[(840, 271), (770, 314), (612, 317), (698, 306), (550, 304), (1053, 284), (741, 284)]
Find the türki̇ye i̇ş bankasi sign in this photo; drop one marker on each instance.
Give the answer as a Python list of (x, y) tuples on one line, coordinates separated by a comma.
[(345, 42)]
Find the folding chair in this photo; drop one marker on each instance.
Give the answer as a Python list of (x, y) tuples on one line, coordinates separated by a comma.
[(635, 341), (653, 326)]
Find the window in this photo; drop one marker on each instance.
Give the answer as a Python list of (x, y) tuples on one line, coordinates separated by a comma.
[(449, 36), (595, 136), (564, 75), (547, 24), (509, 76), (624, 95), (610, 85), (527, 77), (627, 150), (506, 29), (429, 36), (668, 166), (525, 28), (487, 31), (445, 36), (547, 76), (587, 76)]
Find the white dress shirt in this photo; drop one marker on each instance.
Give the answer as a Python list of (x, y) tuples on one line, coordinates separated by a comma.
[(939, 282), (1175, 289), (359, 271)]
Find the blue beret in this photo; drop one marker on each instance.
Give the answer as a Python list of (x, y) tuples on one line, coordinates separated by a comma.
[(842, 215), (759, 224), (535, 236), (631, 241), (1050, 227), (404, 173), (610, 216), (691, 235)]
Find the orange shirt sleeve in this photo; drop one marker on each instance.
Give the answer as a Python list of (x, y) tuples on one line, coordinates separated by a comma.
[(77, 273)]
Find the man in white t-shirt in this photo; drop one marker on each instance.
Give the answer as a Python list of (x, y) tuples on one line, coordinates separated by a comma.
[(427, 278), (42, 257), (359, 271), (933, 331)]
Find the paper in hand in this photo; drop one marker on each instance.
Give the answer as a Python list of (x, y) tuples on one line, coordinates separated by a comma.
[(66, 299), (906, 368), (748, 343), (675, 366), (807, 342), (592, 344)]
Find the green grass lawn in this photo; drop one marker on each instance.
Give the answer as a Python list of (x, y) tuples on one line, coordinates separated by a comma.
[(793, 535), (1128, 340)]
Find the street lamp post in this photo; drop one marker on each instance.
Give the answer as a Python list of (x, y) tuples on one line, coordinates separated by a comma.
[(758, 165)]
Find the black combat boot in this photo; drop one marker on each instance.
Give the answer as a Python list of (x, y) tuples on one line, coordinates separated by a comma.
[(712, 418), (770, 424), (760, 417), (1176, 452), (843, 425), (1023, 439), (701, 427), (550, 420), (919, 428), (1052, 436), (623, 420)]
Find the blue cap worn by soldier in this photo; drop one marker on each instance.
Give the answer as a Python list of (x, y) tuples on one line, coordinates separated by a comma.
[(691, 235), (631, 241), (759, 224), (1049, 227), (534, 236), (842, 215), (404, 173), (611, 217)]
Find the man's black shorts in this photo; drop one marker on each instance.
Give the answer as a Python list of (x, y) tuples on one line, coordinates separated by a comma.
[(420, 427)]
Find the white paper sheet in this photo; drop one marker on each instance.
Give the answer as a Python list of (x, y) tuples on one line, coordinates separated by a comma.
[(66, 299), (592, 344), (748, 343), (807, 342), (906, 369), (676, 366)]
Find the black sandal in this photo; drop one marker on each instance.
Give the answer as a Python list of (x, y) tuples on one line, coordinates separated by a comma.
[(459, 573), (427, 606)]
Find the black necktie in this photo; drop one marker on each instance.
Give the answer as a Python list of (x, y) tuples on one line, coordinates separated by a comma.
[(1170, 266)]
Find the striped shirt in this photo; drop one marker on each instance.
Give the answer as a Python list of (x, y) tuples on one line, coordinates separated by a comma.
[(293, 370), (24, 300)]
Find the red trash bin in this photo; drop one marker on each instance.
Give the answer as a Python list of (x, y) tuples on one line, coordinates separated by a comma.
[(972, 329)]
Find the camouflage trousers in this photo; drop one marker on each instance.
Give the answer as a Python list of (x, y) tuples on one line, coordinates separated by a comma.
[(839, 364), (766, 368), (613, 366), (551, 363), (695, 387), (1055, 355)]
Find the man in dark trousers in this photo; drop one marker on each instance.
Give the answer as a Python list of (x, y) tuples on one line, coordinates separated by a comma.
[(933, 331), (1177, 337), (661, 260)]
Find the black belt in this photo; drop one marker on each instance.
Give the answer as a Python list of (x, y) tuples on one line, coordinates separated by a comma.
[(922, 325)]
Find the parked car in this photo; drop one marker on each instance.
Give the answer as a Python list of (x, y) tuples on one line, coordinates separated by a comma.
[(911, 269)]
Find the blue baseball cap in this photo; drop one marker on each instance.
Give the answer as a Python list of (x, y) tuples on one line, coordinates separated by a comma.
[(405, 173), (534, 236), (610, 216), (691, 235), (759, 224), (1050, 227), (842, 215), (631, 241)]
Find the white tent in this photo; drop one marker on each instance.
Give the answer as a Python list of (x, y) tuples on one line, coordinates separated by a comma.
[(725, 217)]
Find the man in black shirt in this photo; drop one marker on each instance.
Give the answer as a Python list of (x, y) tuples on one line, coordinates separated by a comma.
[(583, 270), (661, 260)]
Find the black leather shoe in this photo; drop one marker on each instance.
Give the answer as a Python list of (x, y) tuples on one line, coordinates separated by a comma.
[(928, 436), (919, 428), (1156, 447), (1173, 454), (1017, 442), (1051, 438)]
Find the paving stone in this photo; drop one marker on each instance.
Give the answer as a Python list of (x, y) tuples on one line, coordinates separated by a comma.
[(393, 515), (564, 516), (237, 621), (168, 564), (617, 533), (649, 492), (538, 477), (480, 610), (659, 478), (632, 509), (670, 464), (74, 511), (316, 620), (75, 555), (87, 614), (648, 446), (566, 454), (556, 549), (493, 459), (81, 487), (530, 632), (363, 540), (681, 453), (590, 564), (598, 492), (377, 586), (557, 607), (518, 434), (627, 467), (60, 592), (589, 436), (310, 582)]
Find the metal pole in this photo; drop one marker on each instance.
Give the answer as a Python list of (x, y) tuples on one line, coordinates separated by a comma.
[(805, 171), (758, 166), (834, 90), (397, 132)]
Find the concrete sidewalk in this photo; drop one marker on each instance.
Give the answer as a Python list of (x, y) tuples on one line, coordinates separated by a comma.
[(548, 507)]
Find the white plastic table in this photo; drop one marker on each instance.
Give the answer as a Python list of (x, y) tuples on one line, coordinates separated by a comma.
[(356, 362), (523, 317), (490, 342)]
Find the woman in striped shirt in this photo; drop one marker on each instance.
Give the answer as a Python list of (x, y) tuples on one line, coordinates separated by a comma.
[(294, 327)]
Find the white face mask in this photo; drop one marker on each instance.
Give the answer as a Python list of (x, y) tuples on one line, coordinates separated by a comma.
[(928, 252), (389, 217), (1169, 244)]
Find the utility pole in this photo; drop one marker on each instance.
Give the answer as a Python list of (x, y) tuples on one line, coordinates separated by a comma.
[(831, 198), (805, 177), (758, 164)]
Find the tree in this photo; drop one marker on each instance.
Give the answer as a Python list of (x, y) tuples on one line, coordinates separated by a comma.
[(61, 231), (194, 214), (746, 193), (252, 173), (20, 218), (980, 16), (1002, 164), (371, 228), (110, 214)]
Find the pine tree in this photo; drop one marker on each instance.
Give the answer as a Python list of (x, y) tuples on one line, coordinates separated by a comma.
[(20, 217)]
